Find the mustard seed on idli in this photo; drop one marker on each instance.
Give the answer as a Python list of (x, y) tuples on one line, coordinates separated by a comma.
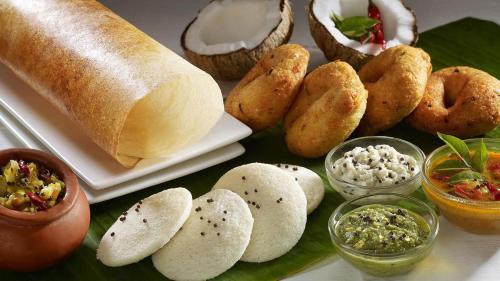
[(311, 184), (211, 241), (145, 227), (278, 206)]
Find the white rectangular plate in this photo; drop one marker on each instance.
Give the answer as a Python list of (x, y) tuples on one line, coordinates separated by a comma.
[(63, 138), (12, 134)]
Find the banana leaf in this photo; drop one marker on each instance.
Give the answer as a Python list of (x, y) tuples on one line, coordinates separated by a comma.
[(468, 41)]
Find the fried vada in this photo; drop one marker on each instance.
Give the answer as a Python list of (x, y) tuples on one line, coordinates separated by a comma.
[(395, 81), (461, 101), (328, 108), (264, 94)]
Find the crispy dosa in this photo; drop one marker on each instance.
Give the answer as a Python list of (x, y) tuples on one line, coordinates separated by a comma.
[(131, 95)]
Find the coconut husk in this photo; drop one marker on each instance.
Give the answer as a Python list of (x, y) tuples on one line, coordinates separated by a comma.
[(236, 64), (334, 50)]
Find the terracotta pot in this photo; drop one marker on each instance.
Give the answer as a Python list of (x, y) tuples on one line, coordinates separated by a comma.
[(32, 241)]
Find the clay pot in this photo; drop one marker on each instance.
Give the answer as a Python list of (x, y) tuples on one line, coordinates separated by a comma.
[(32, 241)]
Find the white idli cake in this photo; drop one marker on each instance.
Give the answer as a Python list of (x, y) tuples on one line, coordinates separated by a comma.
[(211, 241), (145, 227), (311, 184), (278, 206)]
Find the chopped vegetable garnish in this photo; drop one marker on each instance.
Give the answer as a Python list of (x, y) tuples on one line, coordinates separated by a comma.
[(29, 187)]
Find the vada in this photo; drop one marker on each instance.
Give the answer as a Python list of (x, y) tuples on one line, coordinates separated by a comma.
[(328, 108), (395, 81), (461, 101), (264, 94)]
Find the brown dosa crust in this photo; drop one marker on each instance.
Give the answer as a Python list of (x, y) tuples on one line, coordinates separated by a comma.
[(87, 61), (460, 101)]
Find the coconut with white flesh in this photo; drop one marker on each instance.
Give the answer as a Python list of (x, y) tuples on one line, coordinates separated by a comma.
[(399, 27), (229, 36)]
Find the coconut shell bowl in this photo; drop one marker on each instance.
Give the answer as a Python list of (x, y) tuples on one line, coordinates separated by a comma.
[(32, 241)]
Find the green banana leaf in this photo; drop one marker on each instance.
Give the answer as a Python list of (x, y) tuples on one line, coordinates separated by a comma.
[(468, 41), (494, 134)]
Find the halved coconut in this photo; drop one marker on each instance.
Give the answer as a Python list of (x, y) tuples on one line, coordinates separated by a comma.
[(399, 26), (229, 36)]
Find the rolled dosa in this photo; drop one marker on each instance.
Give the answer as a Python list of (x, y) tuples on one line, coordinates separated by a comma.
[(131, 95)]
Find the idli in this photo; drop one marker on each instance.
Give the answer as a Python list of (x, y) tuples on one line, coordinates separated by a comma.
[(278, 206), (211, 241), (145, 227), (311, 184)]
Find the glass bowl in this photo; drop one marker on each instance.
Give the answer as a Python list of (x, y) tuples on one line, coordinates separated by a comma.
[(378, 264), (350, 190), (474, 216)]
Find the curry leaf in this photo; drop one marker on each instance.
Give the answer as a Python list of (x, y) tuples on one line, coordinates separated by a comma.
[(465, 176), (358, 22), (354, 27), (450, 165), (494, 134), (480, 157), (337, 19), (458, 146), (354, 33)]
